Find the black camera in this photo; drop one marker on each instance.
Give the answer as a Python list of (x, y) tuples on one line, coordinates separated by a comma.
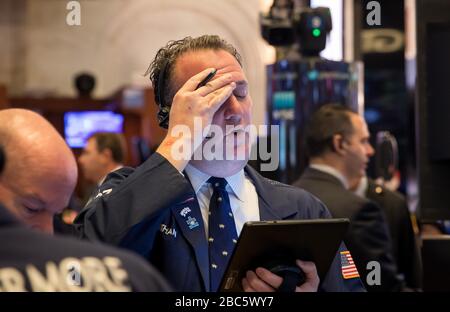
[(286, 25)]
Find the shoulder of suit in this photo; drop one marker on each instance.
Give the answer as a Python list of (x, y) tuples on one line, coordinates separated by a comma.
[(273, 182), (293, 192), (283, 186), (358, 200), (381, 190), (114, 178), (119, 174)]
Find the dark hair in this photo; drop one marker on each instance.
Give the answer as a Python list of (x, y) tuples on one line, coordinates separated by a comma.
[(327, 121), (167, 56), (115, 142)]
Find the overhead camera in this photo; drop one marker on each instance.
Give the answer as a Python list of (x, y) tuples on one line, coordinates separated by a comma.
[(286, 25)]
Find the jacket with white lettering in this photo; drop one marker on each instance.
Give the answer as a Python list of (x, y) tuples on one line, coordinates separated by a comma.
[(34, 261)]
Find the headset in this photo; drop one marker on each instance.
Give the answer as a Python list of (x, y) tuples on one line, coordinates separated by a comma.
[(164, 109), (2, 159)]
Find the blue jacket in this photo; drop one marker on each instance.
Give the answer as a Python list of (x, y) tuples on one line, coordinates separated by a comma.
[(140, 210), (34, 261)]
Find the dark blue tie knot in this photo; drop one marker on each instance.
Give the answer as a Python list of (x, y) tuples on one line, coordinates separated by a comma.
[(218, 183)]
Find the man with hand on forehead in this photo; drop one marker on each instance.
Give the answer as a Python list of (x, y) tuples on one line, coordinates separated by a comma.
[(184, 214)]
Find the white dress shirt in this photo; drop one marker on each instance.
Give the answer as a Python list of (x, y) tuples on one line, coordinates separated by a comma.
[(241, 191), (363, 185), (330, 170)]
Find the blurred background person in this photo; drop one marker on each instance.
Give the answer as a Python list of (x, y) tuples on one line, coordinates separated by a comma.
[(103, 153), (404, 242), (338, 147)]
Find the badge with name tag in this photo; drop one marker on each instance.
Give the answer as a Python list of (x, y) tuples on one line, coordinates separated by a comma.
[(192, 223)]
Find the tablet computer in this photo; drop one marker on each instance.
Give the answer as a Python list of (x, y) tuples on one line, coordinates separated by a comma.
[(315, 240)]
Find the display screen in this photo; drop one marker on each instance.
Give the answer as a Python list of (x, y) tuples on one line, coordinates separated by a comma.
[(78, 126)]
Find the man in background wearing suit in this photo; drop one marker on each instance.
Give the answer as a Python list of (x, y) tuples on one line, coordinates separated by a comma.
[(184, 214), (103, 153), (405, 249), (338, 146)]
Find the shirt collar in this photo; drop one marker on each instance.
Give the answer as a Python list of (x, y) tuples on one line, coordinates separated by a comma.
[(330, 170), (361, 190), (199, 178)]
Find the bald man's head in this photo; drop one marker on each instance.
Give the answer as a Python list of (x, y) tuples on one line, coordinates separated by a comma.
[(40, 172)]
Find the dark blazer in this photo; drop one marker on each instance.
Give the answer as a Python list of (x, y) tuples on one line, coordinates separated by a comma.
[(404, 243), (368, 236), (33, 256), (142, 210)]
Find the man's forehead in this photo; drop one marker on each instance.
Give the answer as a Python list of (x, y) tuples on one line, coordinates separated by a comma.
[(51, 195), (193, 62), (91, 143)]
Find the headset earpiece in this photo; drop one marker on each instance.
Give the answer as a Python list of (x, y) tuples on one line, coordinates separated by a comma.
[(164, 110), (163, 117), (2, 159)]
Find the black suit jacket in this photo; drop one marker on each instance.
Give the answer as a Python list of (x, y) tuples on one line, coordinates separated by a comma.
[(404, 244), (368, 236), (141, 210)]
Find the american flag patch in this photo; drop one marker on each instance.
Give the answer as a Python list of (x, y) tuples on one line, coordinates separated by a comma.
[(348, 266)]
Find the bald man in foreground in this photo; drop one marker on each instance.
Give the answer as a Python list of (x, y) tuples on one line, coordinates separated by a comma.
[(37, 178)]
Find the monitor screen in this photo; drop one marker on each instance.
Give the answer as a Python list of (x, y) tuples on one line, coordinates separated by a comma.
[(78, 126)]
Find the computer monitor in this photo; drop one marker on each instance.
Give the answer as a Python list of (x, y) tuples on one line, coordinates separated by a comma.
[(78, 126)]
